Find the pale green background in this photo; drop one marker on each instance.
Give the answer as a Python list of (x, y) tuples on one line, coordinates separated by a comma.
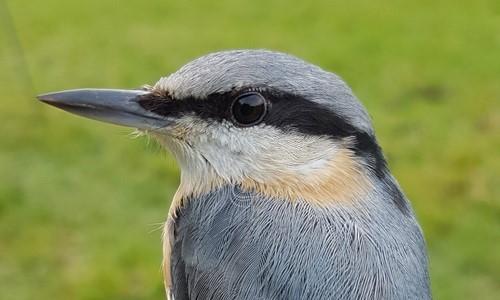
[(81, 202)]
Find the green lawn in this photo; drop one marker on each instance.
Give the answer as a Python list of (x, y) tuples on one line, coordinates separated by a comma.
[(81, 202)]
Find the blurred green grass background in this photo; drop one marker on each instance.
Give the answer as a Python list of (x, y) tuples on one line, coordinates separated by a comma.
[(81, 203)]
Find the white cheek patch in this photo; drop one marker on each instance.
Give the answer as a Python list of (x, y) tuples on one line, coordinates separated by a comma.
[(261, 152), (286, 165)]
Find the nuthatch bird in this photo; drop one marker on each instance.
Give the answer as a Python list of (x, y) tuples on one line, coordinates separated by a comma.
[(284, 191)]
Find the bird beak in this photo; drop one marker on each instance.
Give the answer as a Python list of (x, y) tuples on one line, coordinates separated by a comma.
[(119, 107)]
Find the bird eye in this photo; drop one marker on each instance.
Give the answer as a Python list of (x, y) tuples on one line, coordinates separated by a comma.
[(249, 109)]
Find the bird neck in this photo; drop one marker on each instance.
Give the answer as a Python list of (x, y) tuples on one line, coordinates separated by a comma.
[(341, 179)]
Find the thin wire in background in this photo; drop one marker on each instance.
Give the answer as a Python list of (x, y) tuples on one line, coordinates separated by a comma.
[(21, 64)]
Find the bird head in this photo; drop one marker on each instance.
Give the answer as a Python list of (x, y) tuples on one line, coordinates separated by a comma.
[(265, 121)]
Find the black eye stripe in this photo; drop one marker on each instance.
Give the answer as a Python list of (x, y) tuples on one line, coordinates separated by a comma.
[(285, 111), (215, 106)]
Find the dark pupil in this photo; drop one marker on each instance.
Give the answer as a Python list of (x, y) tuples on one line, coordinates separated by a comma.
[(249, 108)]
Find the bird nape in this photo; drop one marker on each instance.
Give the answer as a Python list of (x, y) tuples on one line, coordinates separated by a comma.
[(284, 191)]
